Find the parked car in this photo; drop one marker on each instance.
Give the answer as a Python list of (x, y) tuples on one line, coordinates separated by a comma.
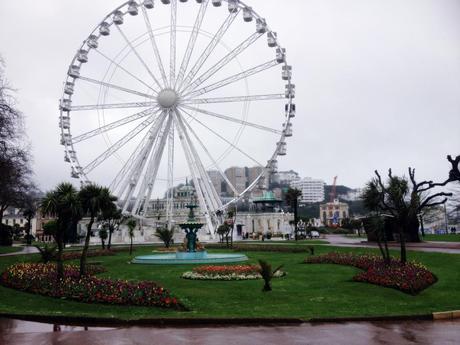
[(314, 234)]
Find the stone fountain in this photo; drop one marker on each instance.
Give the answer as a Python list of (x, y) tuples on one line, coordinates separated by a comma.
[(191, 252)]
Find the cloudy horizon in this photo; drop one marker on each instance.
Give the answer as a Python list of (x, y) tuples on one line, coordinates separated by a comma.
[(378, 82)]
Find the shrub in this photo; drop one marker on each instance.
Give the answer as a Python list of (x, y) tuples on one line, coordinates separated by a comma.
[(267, 274), (42, 279), (410, 278), (47, 252), (165, 235)]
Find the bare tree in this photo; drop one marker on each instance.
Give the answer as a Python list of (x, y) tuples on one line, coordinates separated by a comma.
[(15, 170)]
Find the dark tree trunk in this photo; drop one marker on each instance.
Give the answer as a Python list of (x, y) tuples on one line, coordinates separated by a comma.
[(59, 263), (402, 241), (109, 243), (103, 244), (422, 226), (296, 219), (411, 229), (85, 248), (131, 246), (29, 226), (267, 286)]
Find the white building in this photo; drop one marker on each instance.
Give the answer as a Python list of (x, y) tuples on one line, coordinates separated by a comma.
[(14, 217), (286, 177), (312, 189), (353, 195)]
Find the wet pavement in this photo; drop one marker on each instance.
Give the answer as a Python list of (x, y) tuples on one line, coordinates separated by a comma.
[(14, 332), (431, 247), (25, 250)]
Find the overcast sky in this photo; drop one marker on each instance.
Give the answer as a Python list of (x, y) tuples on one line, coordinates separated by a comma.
[(378, 81)]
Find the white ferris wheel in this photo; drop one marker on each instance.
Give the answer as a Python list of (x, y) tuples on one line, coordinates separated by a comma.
[(161, 91)]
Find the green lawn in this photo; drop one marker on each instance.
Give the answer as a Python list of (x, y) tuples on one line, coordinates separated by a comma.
[(7, 250), (307, 291), (443, 238)]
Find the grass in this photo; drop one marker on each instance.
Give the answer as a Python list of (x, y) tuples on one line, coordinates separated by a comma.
[(306, 292), (7, 250), (443, 238)]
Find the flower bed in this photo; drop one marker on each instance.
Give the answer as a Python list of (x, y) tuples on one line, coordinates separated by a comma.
[(234, 272), (410, 278), (42, 279)]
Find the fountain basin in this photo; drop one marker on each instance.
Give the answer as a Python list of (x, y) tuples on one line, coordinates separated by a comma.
[(186, 258)]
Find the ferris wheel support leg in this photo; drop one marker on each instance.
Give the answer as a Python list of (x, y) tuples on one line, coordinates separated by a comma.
[(133, 179), (201, 198), (170, 201), (152, 170), (213, 197), (136, 161)]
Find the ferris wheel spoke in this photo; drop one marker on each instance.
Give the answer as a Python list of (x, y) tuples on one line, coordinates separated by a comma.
[(114, 125), (133, 49), (124, 69), (233, 79), (156, 51), (224, 139), (210, 48), (172, 45), (214, 162), (113, 106), (157, 149), (192, 41), (234, 99), (117, 146), (232, 119), (117, 87), (224, 61)]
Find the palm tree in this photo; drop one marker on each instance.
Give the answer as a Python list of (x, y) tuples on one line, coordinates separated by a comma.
[(94, 200), (292, 199), (166, 235), (64, 204), (111, 218), (131, 223)]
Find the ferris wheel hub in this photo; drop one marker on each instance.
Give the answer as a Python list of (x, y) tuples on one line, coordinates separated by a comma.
[(167, 98)]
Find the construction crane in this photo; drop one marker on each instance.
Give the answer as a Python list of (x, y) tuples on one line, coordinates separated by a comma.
[(333, 192)]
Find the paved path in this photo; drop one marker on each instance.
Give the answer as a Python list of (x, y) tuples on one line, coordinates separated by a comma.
[(13, 332), (435, 247), (25, 250)]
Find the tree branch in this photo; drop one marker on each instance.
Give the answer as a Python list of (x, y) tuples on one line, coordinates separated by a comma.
[(426, 202), (454, 173)]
